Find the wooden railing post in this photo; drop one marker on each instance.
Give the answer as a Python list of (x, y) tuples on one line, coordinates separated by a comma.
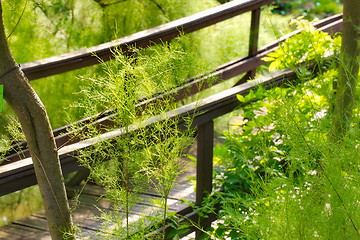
[(204, 167), (253, 42)]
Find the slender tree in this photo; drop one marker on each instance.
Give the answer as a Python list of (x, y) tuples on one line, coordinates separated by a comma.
[(348, 72), (36, 127)]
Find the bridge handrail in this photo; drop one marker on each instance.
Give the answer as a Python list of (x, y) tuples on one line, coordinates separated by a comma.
[(223, 72), (90, 56), (20, 174)]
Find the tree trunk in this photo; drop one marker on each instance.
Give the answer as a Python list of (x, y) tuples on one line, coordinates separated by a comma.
[(348, 72), (36, 127)]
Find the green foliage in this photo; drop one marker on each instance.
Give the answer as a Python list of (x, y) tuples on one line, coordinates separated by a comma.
[(310, 9), (48, 28), (19, 204), (318, 205), (43, 28), (306, 188), (251, 149), (139, 157), (310, 45)]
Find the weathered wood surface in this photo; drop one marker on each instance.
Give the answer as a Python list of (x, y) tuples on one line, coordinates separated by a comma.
[(89, 209), (191, 86), (90, 56)]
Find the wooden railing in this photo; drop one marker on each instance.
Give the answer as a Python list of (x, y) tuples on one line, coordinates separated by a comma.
[(18, 172), (224, 72), (92, 56), (87, 57)]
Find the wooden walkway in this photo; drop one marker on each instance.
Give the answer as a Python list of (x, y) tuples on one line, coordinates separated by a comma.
[(91, 204)]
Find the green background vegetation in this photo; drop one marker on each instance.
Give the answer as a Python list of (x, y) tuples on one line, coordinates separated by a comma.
[(48, 28), (271, 158)]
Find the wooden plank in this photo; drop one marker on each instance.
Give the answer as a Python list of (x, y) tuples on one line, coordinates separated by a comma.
[(183, 190), (33, 222), (145, 201), (90, 56), (85, 217), (23, 232)]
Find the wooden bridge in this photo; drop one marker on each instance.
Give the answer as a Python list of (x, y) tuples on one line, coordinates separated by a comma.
[(17, 172)]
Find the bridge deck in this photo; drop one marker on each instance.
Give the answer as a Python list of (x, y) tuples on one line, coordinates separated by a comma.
[(90, 206)]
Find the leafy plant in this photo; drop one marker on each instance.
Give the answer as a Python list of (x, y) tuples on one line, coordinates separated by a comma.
[(311, 45), (306, 8), (148, 152), (312, 193)]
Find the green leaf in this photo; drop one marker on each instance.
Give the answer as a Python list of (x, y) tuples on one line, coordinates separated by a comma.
[(273, 54), (182, 231), (172, 234), (240, 98), (268, 59), (273, 66), (171, 214)]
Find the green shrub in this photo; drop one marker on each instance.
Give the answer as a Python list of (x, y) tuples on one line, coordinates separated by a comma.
[(143, 158), (308, 8), (313, 193)]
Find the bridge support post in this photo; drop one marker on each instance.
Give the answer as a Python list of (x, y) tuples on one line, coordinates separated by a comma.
[(253, 43), (204, 167)]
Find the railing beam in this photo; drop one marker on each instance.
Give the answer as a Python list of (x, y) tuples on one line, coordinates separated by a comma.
[(168, 31)]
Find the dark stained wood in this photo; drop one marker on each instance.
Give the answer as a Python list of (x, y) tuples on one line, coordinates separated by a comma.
[(331, 24), (34, 222), (253, 41), (204, 166), (254, 32), (91, 56), (204, 163)]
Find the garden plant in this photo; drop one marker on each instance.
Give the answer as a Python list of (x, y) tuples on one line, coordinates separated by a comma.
[(280, 172)]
